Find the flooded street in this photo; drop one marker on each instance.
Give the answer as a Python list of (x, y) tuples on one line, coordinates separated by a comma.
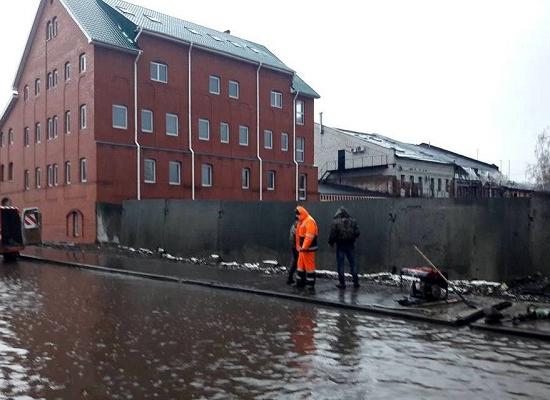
[(72, 334)]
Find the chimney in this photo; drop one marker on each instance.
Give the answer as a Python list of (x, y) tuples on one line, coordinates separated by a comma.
[(321, 122), (227, 31)]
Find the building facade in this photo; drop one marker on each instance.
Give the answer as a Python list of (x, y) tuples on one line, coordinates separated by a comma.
[(380, 165), (113, 102)]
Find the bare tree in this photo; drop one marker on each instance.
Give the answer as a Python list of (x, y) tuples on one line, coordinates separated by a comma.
[(540, 171)]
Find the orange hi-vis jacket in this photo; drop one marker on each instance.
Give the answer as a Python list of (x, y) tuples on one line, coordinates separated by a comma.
[(306, 234)]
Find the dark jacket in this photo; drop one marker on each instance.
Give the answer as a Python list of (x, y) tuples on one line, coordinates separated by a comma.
[(344, 229)]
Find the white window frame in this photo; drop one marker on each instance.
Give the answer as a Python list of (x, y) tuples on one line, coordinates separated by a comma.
[(276, 99), (83, 170), (204, 123), (177, 165), (49, 168), (208, 168), (55, 175), (67, 127), (120, 107), (302, 189), (147, 112), (300, 112), (284, 142), (212, 79), (271, 176), (154, 164), (26, 137), (67, 71), (83, 116), (226, 126), (154, 71), (236, 85), (54, 123), (26, 179), (55, 78), (300, 152), (37, 87), (82, 63), (177, 124), (268, 134), (37, 133), (37, 178), (67, 172), (241, 127), (245, 178)]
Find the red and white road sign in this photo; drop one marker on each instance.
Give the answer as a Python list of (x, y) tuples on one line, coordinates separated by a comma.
[(30, 221)]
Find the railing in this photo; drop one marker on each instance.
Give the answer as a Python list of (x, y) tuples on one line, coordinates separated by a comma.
[(353, 163)]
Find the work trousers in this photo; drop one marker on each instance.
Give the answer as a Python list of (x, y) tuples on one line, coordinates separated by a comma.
[(306, 269), (344, 251)]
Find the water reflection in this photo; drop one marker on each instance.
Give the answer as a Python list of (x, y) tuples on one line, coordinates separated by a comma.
[(73, 334)]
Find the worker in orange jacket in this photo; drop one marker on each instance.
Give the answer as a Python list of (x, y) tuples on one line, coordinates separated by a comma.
[(306, 245)]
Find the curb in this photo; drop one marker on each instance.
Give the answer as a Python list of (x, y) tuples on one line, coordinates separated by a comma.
[(377, 310)]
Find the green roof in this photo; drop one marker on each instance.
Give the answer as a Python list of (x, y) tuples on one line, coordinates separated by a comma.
[(298, 85)]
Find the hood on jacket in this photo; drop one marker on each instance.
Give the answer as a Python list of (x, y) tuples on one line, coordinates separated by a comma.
[(302, 213), (342, 213)]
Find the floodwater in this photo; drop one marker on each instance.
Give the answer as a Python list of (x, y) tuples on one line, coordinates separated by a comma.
[(72, 334)]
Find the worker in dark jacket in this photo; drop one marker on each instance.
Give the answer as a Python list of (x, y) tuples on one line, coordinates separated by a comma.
[(293, 252), (343, 232)]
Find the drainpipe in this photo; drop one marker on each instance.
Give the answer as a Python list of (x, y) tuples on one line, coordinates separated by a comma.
[(189, 128), (138, 147), (258, 129), (294, 145)]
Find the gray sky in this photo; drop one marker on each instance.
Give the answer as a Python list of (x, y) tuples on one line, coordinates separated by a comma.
[(468, 75)]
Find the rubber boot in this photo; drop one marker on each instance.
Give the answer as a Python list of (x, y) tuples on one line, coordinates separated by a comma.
[(301, 282)]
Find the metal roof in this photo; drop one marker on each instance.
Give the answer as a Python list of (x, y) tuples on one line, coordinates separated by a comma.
[(298, 85), (156, 22)]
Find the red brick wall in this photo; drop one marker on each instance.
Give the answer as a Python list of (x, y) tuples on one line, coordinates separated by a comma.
[(54, 202)]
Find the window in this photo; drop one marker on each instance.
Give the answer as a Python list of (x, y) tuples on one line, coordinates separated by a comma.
[(172, 126), (54, 26), (49, 30), (302, 187), (268, 139), (224, 132), (245, 178), (2, 173), (67, 71), (49, 169), (284, 141), (234, 89), (174, 173), (439, 184), (214, 84), (243, 135), (82, 63), (159, 72), (67, 173), (74, 223), (270, 180), (10, 137), (83, 170), (55, 175), (10, 171), (26, 93), (83, 116), (26, 179), (300, 112), (147, 121), (55, 78), (411, 178), (37, 133), (447, 185), (276, 99), (49, 81), (1, 139), (120, 117), (150, 170), (204, 129), (206, 175), (67, 127), (26, 137), (37, 87), (300, 149), (37, 178), (52, 128), (54, 119)]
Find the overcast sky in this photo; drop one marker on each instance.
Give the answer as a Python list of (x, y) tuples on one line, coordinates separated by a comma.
[(472, 76)]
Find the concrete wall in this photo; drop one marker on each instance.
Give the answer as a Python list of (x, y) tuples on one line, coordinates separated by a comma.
[(492, 239)]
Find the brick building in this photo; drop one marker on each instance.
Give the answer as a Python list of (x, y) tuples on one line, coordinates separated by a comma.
[(113, 101)]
